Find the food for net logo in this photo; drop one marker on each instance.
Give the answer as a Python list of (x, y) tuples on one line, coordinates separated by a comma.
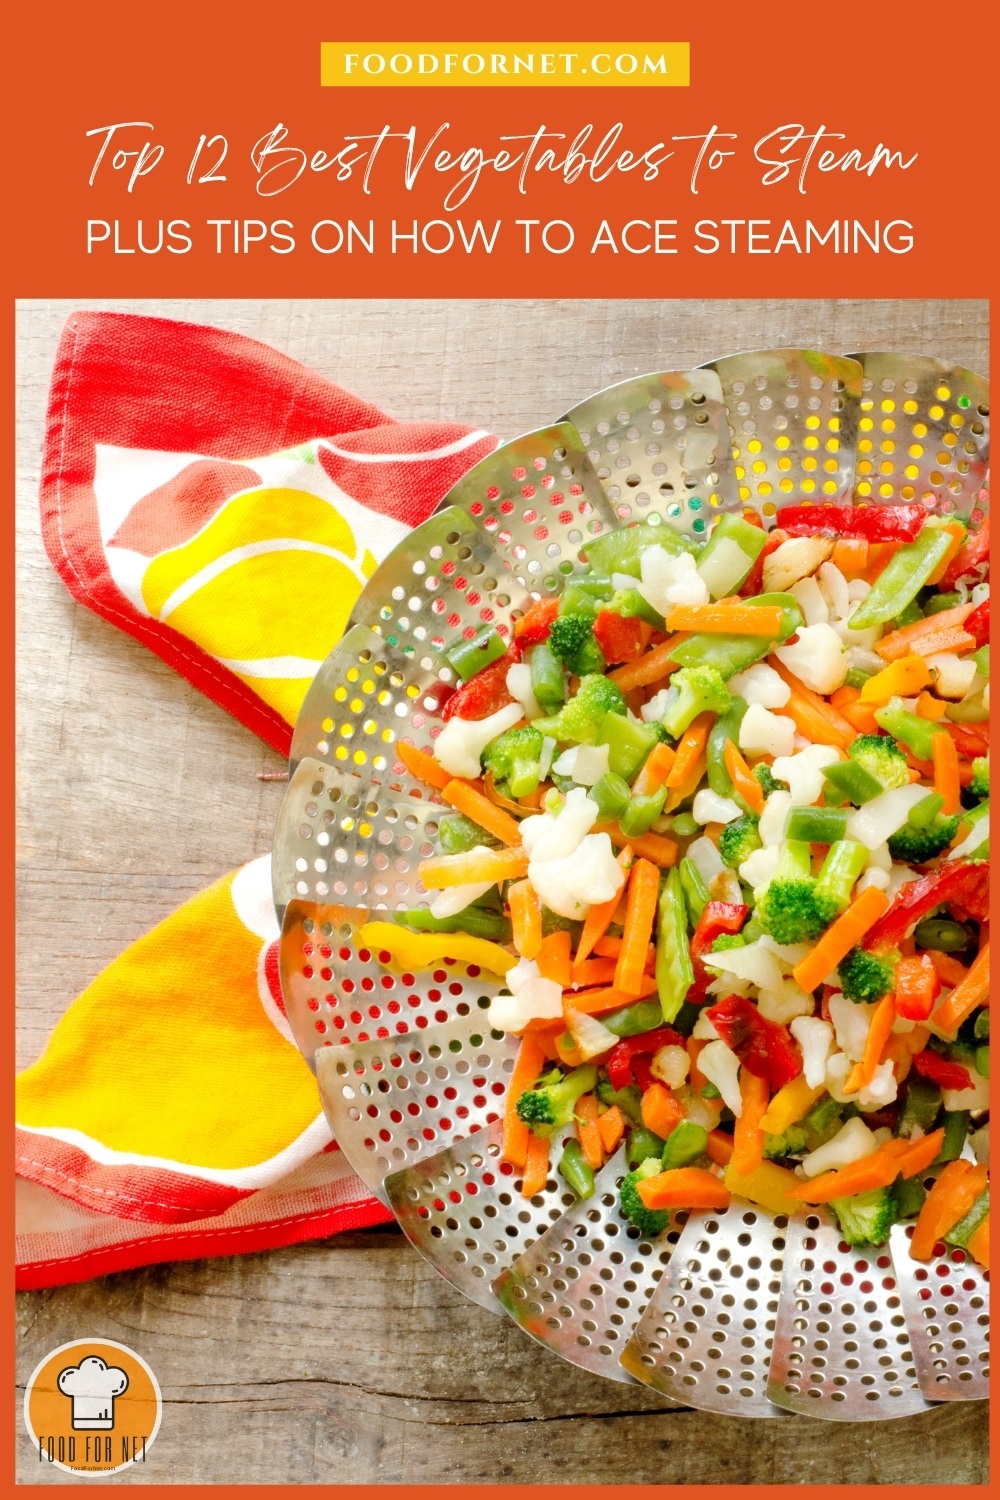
[(92, 1407)]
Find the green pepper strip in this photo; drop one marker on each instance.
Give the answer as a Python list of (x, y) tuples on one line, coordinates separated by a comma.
[(628, 744), (674, 969), (902, 578), (915, 733), (817, 825), (725, 728), (576, 1171), (734, 653), (641, 813), (473, 920), (621, 551)]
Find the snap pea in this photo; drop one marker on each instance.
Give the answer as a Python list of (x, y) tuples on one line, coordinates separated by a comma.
[(577, 1172), (473, 920), (641, 813), (908, 616), (629, 603), (910, 1194), (816, 825), (694, 888), (956, 1128), (457, 833), (596, 586), (621, 551), (685, 1143), (577, 600), (726, 727), (612, 795), (966, 1227), (902, 578), (628, 744), (641, 1145), (684, 825), (548, 680), (674, 969), (915, 733), (937, 602), (633, 1020), (734, 653), (470, 657)]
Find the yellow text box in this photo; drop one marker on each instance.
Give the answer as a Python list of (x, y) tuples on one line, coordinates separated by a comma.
[(365, 65)]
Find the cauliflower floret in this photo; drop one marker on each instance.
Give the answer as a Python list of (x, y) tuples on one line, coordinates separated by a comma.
[(876, 822), (669, 578), (837, 591), (462, 741), (851, 1023), (852, 1142), (774, 817), (722, 1067), (837, 1068), (449, 902), (709, 807), (584, 764), (653, 711), (809, 597), (754, 963), (761, 684), (804, 773), (670, 1065), (519, 686), (881, 1090), (760, 868), (976, 1097), (531, 998), (704, 1030), (765, 733), (785, 1003), (872, 876), (817, 658), (706, 859), (572, 885), (815, 1038), (546, 838)]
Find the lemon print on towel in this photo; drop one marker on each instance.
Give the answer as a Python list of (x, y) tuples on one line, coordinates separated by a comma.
[(266, 587)]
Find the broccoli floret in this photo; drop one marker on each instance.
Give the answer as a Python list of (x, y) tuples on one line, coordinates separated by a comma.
[(579, 721), (728, 940), (515, 757), (881, 758), (915, 846), (648, 1221), (739, 839), (867, 1218), (698, 689), (550, 1104), (792, 911), (979, 786), (864, 977), (571, 638), (769, 782), (792, 1143)]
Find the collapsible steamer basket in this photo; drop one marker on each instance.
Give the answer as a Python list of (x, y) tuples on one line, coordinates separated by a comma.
[(736, 1312)]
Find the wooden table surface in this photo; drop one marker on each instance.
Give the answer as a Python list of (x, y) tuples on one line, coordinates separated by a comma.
[(349, 1360)]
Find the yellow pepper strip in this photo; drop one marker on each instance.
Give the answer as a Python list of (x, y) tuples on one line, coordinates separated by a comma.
[(790, 1103), (902, 679), (768, 1185), (417, 950), (472, 867)]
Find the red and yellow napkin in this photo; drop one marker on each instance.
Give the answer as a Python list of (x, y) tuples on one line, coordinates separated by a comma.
[(202, 491)]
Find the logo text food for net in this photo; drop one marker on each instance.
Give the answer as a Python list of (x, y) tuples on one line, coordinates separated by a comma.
[(505, 64)]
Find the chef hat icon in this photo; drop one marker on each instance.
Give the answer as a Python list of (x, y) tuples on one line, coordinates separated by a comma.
[(92, 1387)]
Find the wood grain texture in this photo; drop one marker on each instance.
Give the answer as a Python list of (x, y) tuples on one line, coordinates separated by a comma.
[(350, 1361)]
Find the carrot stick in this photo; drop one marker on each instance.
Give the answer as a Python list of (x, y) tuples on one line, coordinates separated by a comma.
[(553, 958), (748, 1137), (947, 968), (692, 743), (946, 782), (719, 1147), (949, 1200), (536, 1166), (472, 867), (812, 715), (661, 1111), (879, 1031), (974, 990), (743, 778), (655, 770), (593, 971), (726, 619), (587, 1132), (656, 663), (860, 716), (684, 1187), (611, 1126), (979, 1244), (598, 919), (525, 918), (850, 555), (840, 938), (643, 891), (596, 1002), (652, 846), (424, 767), (465, 799), (883, 1166), (901, 642), (527, 1068), (879, 554)]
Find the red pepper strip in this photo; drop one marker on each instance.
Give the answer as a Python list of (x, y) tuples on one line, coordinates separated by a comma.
[(970, 560), (762, 1046), (483, 694), (718, 917), (970, 739), (620, 637), (978, 623), (643, 1072), (626, 1053), (917, 987), (872, 523), (755, 578), (946, 1074), (533, 627), (966, 884)]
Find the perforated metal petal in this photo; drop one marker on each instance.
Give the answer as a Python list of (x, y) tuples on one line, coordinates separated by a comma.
[(924, 434), (706, 1336), (463, 1210), (537, 501), (946, 1305), (443, 581), (841, 1349), (661, 448), (336, 989), (582, 1285), (391, 1101), (794, 420)]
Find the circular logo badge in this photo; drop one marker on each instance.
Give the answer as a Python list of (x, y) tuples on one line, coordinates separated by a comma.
[(92, 1407)]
